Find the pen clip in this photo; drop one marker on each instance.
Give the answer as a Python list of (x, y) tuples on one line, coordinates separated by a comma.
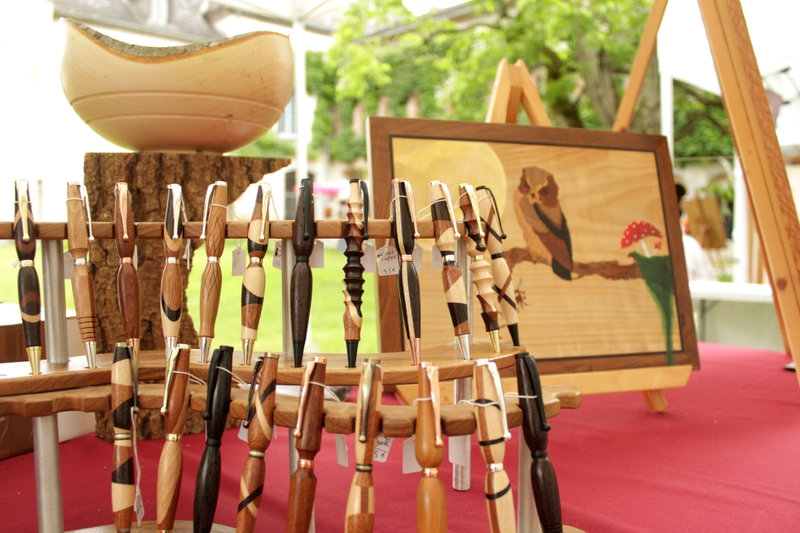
[(207, 208), (253, 382), (265, 192), (213, 374), (83, 198), (532, 374), (368, 369), (23, 204), (307, 198), (469, 192), (123, 205), (365, 207), (448, 202), (304, 392), (495, 208), (498, 387), (173, 224), (172, 360), (432, 374), (412, 206)]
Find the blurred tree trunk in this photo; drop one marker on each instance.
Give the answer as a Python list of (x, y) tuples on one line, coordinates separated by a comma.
[(147, 175)]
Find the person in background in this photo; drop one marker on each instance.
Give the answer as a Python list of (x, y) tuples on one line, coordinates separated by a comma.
[(698, 266)]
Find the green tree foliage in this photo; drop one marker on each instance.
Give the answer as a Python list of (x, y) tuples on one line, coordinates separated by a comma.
[(579, 52)]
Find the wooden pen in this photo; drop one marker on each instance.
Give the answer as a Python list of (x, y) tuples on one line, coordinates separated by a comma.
[(254, 279), (404, 232), (503, 285), (259, 424), (308, 438), (171, 278), (535, 429), (27, 279), (122, 401), (174, 409), (492, 432), (429, 450), (304, 233), (127, 277), (218, 403), (355, 234), (360, 513), (480, 267), (79, 235), (214, 225)]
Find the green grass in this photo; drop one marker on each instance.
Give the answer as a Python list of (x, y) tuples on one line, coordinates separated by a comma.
[(326, 331)]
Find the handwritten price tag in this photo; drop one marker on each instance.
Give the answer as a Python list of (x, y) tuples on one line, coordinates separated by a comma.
[(387, 261), (277, 259), (368, 259), (239, 262), (382, 446)]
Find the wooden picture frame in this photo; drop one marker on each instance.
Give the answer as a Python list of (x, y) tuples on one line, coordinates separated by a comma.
[(606, 316)]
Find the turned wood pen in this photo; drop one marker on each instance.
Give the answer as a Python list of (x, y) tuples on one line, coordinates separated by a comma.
[(254, 281), (214, 222), (503, 285), (308, 437), (174, 409), (429, 450), (218, 402), (404, 232), (360, 513), (446, 234), (535, 429), (480, 268), (79, 235), (259, 424), (171, 278), (354, 236), (122, 401), (303, 234), (127, 277), (492, 432), (27, 279)]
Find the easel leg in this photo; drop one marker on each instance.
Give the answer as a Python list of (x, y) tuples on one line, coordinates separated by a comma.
[(655, 400)]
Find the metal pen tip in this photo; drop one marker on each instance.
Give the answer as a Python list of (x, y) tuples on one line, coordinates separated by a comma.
[(91, 353)]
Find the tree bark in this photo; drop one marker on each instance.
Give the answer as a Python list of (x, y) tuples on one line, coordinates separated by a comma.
[(147, 175)]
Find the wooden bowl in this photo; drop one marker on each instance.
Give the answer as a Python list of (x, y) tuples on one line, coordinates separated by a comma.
[(215, 96)]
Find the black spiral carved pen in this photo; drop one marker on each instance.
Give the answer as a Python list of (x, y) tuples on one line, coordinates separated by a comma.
[(28, 279), (355, 233)]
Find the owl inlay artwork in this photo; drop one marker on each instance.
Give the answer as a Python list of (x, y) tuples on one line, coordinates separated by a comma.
[(566, 198)]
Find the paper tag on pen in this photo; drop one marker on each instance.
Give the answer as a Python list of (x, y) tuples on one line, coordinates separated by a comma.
[(341, 450), (239, 261), (436, 258), (317, 258), (410, 464), (277, 259), (368, 259), (243, 431), (387, 261), (382, 446), (416, 257), (69, 264)]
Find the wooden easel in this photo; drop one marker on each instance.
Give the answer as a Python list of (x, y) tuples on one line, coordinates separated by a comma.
[(757, 145)]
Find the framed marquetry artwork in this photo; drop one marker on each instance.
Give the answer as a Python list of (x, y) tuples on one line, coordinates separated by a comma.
[(593, 238)]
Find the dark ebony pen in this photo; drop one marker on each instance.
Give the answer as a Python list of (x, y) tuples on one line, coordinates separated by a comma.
[(303, 234), (28, 279), (218, 401)]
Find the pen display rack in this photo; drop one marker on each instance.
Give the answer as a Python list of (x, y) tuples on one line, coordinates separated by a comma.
[(71, 386)]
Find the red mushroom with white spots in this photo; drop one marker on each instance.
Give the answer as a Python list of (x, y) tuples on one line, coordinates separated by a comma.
[(636, 232)]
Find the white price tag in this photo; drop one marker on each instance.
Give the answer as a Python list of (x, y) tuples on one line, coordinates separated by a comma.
[(242, 434), (239, 261), (436, 258), (317, 257), (368, 259), (382, 446), (69, 264), (277, 259), (410, 464), (341, 450), (387, 261), (416, 257)]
